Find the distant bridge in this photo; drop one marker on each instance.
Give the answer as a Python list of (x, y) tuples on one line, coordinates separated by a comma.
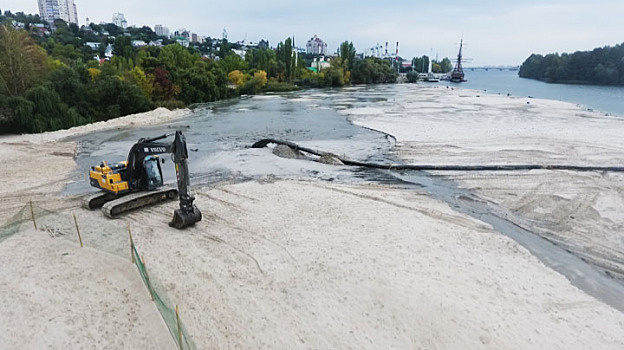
[(487, 68)]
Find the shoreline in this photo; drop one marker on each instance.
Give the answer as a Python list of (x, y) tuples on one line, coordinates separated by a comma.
[(159, 115)]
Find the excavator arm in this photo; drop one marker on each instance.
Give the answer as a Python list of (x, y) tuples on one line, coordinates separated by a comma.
[(188, 213)]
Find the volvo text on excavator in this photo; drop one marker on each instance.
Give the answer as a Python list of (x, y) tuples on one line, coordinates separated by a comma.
[(138, 181)]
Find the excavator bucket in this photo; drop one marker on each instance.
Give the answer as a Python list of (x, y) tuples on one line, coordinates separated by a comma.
[(182, 218)]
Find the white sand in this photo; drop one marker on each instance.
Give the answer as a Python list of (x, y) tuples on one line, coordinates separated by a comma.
[(86, 299), (56, 295), (291, 264), (581, 211), (315, 265)]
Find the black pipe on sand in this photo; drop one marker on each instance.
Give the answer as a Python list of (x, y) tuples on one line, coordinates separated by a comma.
[(509, 167)]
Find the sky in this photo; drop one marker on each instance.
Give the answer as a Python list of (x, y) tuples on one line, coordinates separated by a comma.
[(503, 32)]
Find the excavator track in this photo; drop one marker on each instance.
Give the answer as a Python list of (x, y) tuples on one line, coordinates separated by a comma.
[(97, 200), (133, 201)]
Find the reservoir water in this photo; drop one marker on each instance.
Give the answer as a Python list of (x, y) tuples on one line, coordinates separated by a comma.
[(607, 99)]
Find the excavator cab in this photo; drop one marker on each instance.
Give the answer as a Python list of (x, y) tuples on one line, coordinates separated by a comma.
[(153, 172)]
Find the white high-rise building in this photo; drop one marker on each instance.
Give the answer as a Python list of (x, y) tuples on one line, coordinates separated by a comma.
[(119, 20), (49, 10), (161, 31), (316, 46)]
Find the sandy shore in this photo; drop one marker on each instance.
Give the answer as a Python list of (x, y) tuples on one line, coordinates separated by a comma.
[(579, 211), (291, 264)]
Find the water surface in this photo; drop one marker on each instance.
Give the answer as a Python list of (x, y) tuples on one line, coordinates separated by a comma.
[(607, 99)]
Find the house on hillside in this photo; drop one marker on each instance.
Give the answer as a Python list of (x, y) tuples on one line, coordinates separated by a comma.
[(241, 53), (94, 45), (320, 63), (138, 43), (182, 41)]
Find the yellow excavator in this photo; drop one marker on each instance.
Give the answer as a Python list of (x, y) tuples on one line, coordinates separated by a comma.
[(138, 181)]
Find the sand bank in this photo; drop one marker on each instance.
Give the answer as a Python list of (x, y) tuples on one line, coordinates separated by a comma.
[(580, 211), (292, 264), (314, 265)]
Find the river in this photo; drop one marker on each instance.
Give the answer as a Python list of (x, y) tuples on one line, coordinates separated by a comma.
[(607, 99)]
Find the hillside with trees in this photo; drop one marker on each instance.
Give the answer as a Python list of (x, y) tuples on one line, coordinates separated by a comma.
[(601, 66), (58, 76)]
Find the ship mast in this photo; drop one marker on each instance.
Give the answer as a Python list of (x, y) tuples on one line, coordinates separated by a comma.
[(458, 73)]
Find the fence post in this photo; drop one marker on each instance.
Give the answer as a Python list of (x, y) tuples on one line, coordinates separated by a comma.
[(149, 284), (179, 328), (32, 214), (131, 245), (77, 229)]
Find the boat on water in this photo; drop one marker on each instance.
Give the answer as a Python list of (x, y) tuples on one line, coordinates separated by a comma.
[(457, 75), (431, 78)]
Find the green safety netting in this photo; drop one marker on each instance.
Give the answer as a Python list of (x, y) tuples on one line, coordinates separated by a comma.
[(102, 234), (177, 330)]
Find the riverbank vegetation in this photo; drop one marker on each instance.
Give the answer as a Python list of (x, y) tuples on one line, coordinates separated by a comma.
[(601, 66), (69, 76)]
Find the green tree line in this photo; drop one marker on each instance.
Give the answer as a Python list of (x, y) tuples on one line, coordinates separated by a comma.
[(52, 81), (601, 66)]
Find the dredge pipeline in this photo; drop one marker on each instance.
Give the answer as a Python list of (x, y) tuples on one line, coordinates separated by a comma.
[(511, 167)]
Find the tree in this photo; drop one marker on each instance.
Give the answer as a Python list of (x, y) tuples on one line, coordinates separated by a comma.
[(236, 77), (145, 82), (175, 56), (261, 77), (164, 89), (373, 71), (22, 62), (123, 47), (262, 59), (66, 53), (446, 65), (48, 110), (347, 53), (412, 77), (603, 65), (67, 84), (112, 97), (94, 73), (233, 62), (285, 60)]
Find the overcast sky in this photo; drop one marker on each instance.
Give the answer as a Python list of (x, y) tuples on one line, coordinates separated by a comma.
[(502, 32)]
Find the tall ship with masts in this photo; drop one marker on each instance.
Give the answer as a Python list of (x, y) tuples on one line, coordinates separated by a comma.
[(457, 75)]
